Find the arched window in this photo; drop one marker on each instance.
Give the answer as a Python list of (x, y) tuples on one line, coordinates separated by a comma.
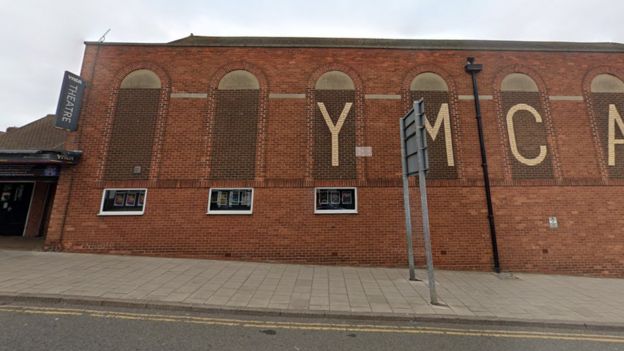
[(434, 90), (527, 133), (141, 79), (606, 83), (607, 95), (234, 131), (428, 82), (519, 82), (133, 126), (334, 127)]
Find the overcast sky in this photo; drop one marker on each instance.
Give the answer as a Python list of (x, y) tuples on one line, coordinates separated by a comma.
[(41, 39)]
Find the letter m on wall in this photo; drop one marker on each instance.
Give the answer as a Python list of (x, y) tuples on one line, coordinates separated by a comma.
[(439, 126)]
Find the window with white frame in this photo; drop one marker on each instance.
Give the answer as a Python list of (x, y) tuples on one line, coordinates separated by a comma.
[(335, 200), (230, 201), (119, 202)]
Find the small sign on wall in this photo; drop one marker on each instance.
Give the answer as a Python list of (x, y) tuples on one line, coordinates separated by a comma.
[(552, 223), (363, 151)]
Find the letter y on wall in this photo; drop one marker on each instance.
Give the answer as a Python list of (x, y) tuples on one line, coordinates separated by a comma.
[(335, 129)]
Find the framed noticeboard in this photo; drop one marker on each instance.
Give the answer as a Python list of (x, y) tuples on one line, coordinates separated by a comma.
[(120, 202), (335, 200), (230, 201)]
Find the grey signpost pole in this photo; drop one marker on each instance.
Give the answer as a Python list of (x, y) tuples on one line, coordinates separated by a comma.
[(406, 205), (422, 166), (414, 159)]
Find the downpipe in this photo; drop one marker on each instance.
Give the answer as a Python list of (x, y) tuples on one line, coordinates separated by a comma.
[(473, 69)]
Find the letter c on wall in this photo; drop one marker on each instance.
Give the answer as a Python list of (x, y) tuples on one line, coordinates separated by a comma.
[(512, 135)]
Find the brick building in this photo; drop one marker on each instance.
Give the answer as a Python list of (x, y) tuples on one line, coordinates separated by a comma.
[(287, 149)]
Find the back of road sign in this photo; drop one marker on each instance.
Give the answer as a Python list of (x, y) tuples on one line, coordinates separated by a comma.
[(415, 161), (415, 139)]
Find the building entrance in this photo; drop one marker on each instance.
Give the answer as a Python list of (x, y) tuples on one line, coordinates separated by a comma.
[(15, 200)]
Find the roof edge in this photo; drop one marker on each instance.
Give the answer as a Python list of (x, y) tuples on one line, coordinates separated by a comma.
[(372, 43)]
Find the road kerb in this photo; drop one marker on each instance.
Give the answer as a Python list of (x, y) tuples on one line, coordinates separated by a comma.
[(190, 307)]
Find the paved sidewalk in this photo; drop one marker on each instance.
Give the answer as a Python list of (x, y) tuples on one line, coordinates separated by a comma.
[(312, 289)]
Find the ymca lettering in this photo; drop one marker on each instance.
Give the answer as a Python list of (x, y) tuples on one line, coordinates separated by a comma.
[(614, 118), (335, 129), (443, 118), (615, 133), (512, 135)]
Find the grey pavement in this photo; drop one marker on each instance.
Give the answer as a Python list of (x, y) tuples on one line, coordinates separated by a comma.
[(312, 289)]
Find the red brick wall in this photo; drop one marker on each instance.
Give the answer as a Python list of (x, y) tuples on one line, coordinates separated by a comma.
[(287, 144), (234, 135), (182, 145), (283, 227)]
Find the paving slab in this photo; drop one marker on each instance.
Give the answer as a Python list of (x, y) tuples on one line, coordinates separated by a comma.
[(284, 288)]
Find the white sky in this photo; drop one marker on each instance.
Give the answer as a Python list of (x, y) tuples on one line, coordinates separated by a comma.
[(39, 40)]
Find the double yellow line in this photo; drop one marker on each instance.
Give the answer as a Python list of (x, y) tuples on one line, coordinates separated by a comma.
[(339, 327)]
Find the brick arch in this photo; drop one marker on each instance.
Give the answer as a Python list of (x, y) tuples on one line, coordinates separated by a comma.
[(159, 132), (359, 116), (415, 71), (592, 73), (239, 65), (355, 77), (453, 104), (165, 80), (209, 122), (551, 138), (531, 73)]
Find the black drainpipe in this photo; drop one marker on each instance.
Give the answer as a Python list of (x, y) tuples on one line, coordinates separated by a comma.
[(473, 69)]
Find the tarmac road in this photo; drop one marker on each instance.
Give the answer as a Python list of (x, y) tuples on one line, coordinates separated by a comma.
[(28, 326)]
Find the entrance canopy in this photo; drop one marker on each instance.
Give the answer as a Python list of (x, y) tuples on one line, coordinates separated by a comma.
[(39, 157)]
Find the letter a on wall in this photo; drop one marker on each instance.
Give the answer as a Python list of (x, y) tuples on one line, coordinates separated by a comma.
[(607, 103), (614, 119)]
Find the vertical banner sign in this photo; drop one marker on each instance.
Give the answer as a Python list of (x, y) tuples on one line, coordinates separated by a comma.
[(69, 103), (416, 161)]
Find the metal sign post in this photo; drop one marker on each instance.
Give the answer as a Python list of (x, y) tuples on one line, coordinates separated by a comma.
[(416, 160), (406, 205)]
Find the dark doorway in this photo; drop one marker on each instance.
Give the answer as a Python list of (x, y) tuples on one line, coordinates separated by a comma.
[(14, 204)]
